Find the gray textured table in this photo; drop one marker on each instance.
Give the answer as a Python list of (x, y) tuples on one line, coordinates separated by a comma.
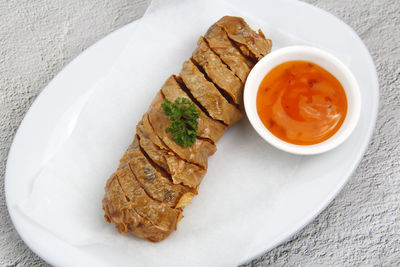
[(360, 227)]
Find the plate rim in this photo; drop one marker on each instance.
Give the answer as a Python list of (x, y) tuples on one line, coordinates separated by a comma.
[(12, 210), (285, 236)]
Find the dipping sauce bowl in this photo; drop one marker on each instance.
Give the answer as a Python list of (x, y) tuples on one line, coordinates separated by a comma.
[(302, 100)]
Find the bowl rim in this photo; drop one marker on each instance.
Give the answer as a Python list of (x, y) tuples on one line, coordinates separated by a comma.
[(327, 61)]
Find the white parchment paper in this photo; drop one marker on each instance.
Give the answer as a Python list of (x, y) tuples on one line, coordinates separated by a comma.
[(225, 219)]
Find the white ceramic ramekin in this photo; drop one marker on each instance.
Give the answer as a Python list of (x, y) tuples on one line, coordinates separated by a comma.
[(321, 58)]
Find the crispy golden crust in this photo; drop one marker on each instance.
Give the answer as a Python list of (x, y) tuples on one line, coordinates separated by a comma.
[(218, 72), (120, 211), (208, 95), (182, 172), (197, 153), (220, 43), (208, 128), (250, 43), (153, 180)]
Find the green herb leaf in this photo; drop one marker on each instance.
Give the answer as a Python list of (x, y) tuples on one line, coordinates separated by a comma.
[(183, 116)]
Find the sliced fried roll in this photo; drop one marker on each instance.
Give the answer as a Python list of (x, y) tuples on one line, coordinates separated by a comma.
[(208, 95), (250, 43), (219, 42), (208, 128), (128, 205), (157, 185), (157, 177), (121, 211), (158, 213), (218, 72), (148, 128), (156, 153), (182, 172), (197, 153)]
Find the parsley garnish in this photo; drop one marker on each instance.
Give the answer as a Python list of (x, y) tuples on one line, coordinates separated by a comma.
[(183, 115)]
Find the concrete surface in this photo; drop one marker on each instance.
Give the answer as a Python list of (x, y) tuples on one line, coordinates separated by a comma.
[(360, 227)]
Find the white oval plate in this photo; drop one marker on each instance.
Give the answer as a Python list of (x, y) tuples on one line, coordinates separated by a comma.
[(314, 184)]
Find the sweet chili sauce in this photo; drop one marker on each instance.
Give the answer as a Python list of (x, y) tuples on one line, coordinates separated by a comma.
[(301, 103)]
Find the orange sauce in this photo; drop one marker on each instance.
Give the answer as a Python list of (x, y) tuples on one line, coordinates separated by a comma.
[(301, 103)]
